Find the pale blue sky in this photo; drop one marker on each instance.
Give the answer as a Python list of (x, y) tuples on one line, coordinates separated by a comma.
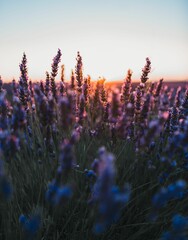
[(111, 35)]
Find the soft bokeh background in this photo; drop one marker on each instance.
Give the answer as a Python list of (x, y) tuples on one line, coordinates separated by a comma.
[(111, 35)]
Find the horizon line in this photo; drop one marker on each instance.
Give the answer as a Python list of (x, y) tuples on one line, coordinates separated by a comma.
[(107, 81)]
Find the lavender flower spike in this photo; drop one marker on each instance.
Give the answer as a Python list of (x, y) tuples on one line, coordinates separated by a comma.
[(79, 72), (54, 72), (146, 70), (108, 197)]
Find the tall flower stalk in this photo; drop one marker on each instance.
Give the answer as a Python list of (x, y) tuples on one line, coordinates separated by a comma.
[(79, 72), (23, 82), (126, 88), (145, 71), (54, 73)]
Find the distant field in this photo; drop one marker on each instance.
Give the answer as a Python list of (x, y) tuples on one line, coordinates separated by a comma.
[(171, 84), (118, 84)]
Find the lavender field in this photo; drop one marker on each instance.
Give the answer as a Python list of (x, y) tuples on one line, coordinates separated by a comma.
[(89, 160)]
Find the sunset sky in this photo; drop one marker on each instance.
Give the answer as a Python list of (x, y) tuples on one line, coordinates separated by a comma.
[(111, 35)]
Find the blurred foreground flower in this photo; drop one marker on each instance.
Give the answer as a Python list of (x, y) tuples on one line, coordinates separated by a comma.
[(30, 225), (108, 197), (179, 229), (173, 191)]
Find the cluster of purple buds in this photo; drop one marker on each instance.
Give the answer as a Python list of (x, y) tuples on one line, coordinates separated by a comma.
[(178, 144), (169, 165), (131, 106), (22, 95), (45, 107), (125, 125), (79, 72), (122, 126), (3, 113), (145, 109), (23, 82), (89, 83), (90, 174), (164, 100), (31, 92), (85, 89), (184, 106), (54, 72), (96, 97), (179, 229), (174, 119), (149, 134), (67, 158), (47, 84), (158, 89), (56, 61), (115, 110), (167, 123), (52, 115), (173, 191), (76, 133), (82, 112), (103, 94), (18, 120), (66, 111), (58, 194), (62, 88), (178, 97), (126, 88), (138, 104), (41, 86), (151, 88), (179, 140), (9, 142), (23, 68), (106, 112), (30, 225), (14, 88), (146, 70), (1, 85), (108, 197)]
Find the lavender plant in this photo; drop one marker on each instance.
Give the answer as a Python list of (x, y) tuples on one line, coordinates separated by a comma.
[(54, 72), (79, 72), (50, 133)]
